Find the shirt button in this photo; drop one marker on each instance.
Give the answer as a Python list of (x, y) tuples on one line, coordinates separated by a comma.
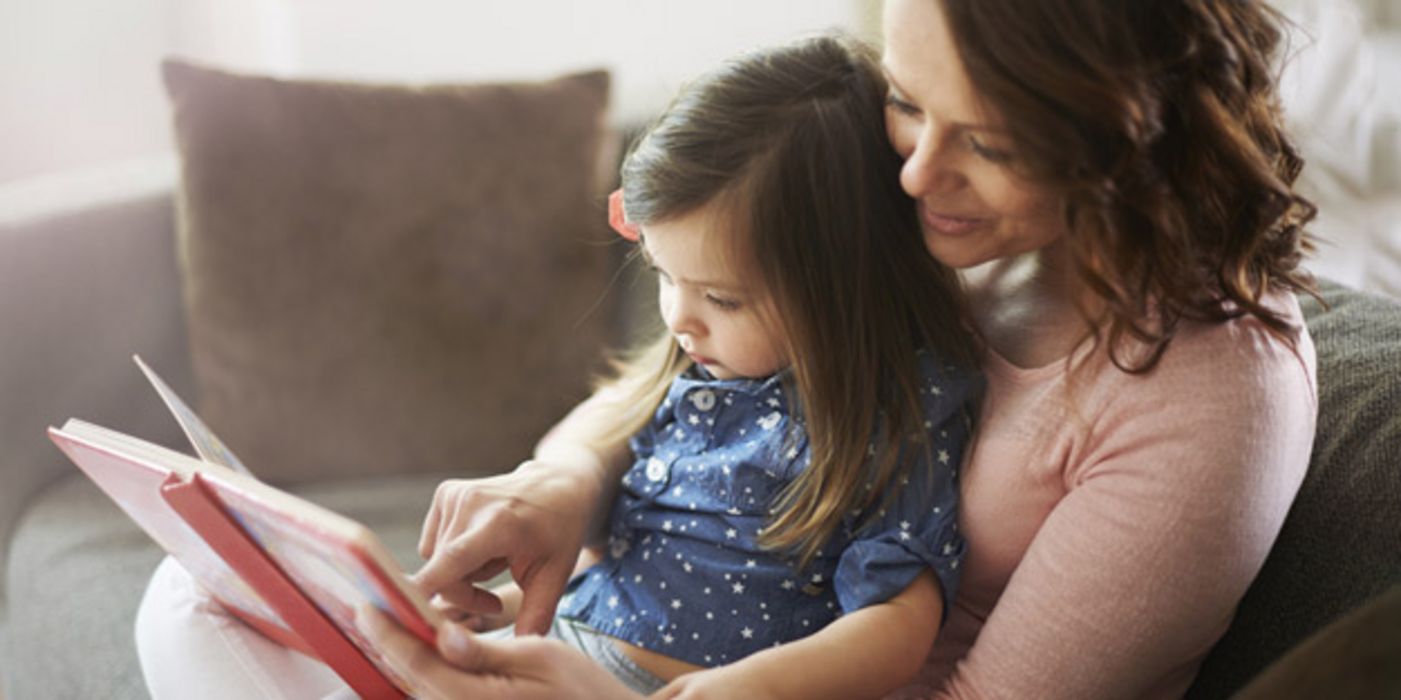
[(703, 400), (656, 469)]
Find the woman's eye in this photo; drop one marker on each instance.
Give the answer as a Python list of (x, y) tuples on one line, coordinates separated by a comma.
[(900, 105), (995, 155), (722, 303)]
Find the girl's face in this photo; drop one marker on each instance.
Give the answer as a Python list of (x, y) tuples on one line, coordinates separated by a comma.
[(972, 207), (717, 319)]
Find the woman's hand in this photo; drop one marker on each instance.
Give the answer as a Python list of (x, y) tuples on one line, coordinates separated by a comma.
[(532, 521), (462, 603), (466, 666)]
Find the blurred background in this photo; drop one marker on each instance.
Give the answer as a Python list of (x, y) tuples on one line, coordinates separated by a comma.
[(83, 110)]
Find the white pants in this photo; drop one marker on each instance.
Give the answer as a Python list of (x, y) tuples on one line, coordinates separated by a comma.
[(191, 647)]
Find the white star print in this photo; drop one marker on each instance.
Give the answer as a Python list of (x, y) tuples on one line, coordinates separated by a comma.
[(731, 534), (943, 456), (738, 587), (675, 603), (747, 633)]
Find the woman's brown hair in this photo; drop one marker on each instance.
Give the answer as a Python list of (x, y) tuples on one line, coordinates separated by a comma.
[(1158, 124), (790, 145)]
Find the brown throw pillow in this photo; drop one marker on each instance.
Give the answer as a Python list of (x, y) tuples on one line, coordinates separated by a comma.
[(387, 279)]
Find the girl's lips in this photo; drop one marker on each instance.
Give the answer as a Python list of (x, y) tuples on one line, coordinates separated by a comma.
[(949, 225), (700, 359)]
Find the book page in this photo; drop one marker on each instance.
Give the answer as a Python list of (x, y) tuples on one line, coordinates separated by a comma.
[(131, 471), (207, 445)]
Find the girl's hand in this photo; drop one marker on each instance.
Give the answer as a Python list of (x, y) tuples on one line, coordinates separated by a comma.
[(531, 521), (465, 666), (719, 683)]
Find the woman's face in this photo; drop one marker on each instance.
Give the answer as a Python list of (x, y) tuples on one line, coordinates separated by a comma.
[(972, 207)]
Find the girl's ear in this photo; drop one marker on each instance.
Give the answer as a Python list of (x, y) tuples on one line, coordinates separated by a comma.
[(618, 220)]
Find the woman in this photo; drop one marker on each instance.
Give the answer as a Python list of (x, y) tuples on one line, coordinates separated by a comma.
[(1114, 180)]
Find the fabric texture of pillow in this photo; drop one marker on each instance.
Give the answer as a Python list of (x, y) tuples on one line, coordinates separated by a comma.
[(384, 279)]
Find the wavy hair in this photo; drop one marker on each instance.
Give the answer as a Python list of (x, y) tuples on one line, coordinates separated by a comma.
[(1157, 123)]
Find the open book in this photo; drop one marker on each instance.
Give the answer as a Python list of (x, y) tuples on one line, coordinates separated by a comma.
[(289, 568)]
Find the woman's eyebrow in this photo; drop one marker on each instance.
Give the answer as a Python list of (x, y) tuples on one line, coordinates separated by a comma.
[(905, 95)]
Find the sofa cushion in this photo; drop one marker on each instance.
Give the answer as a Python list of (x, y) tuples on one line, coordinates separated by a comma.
[(385, 279), (79, 565), (1341, 543)]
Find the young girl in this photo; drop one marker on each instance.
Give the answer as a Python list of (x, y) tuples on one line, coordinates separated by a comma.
[(797, 425)]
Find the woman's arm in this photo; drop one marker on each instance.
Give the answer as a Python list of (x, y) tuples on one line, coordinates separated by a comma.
[(1173, 499), (532, 521), (863, 654)]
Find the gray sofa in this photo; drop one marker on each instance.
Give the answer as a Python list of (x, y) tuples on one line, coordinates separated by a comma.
[(83, 287)]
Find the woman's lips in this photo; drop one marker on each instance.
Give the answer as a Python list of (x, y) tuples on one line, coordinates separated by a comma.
[(949, 225)]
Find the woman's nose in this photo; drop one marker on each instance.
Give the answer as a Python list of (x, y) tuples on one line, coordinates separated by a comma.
[(928, 170)]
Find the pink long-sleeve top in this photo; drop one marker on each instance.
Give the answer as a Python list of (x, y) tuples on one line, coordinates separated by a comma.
[(1114, 521)]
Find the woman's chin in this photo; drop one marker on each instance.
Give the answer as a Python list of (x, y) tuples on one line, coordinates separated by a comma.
[(957, 254)]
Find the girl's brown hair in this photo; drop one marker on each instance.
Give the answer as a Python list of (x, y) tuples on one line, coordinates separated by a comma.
[(1158, 125), (790, 144)]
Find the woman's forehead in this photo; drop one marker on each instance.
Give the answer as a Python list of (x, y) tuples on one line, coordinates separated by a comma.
[(923, 65)]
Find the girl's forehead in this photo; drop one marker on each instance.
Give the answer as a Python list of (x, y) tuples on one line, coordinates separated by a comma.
[(696, 248)]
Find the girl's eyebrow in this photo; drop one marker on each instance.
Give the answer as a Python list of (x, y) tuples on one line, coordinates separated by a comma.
[(705, 284)]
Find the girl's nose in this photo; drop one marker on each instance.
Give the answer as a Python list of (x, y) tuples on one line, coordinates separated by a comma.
[(681, 318)]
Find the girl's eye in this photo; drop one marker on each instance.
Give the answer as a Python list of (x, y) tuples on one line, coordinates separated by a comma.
[(661, 276), (995, 155), (901, 106), (722, 303)]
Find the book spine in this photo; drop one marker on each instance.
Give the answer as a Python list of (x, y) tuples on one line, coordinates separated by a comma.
[(196, 504)]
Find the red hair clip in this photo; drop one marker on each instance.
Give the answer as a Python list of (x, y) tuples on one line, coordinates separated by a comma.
[(618, 220)]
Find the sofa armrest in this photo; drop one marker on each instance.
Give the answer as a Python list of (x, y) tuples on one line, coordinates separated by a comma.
[(88, 277)]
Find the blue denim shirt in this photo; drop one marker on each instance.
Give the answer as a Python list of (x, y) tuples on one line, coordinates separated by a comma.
[(684, 575)]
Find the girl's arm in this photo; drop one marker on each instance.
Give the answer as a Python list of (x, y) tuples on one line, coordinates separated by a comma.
[(863, 654), (532, 521)]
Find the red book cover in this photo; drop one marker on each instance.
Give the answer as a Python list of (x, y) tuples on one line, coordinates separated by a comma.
[(291, 569)]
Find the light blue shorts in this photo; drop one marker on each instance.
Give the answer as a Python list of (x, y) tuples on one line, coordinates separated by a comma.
[(600, 648)]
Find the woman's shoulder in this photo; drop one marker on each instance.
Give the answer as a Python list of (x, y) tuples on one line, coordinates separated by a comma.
[(1242, 352), (1221, 392)]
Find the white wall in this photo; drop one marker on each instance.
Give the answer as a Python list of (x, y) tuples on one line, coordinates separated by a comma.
[(77, 82), (80, 89)]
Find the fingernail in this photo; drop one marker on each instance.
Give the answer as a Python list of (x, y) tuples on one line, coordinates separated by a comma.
[(456, 641), (362, 618)]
